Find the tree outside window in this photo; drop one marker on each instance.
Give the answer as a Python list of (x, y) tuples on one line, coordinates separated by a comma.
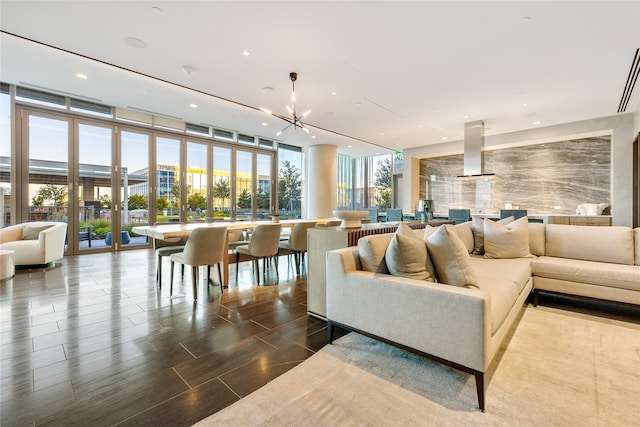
[(290, 188), (382, 183)]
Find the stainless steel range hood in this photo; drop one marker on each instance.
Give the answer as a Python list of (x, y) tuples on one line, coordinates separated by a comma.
[(474, 149)]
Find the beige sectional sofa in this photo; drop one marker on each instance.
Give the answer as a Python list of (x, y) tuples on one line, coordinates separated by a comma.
[(463, 326)]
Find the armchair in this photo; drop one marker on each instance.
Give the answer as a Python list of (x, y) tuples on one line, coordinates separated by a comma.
[(34, 243)]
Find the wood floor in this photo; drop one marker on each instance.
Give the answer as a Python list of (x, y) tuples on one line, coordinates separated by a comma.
[(92, 342)]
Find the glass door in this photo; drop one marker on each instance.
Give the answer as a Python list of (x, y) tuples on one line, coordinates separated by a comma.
[(221, 194), (197, 181), (97, 210), (134, 186), (168, 198), (48, 170), (264, 190), (244, 184)]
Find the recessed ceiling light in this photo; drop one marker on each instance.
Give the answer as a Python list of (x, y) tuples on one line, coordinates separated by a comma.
[(525, 20), (524, 105), (81, 76), (192, 105), (420, 126), (537, 122), (313, 137), (246, 53), (349, 146), (188, 69), (156, 10), (334, 93), (134, 42), (444, 138), (265, 124), (465, 116)]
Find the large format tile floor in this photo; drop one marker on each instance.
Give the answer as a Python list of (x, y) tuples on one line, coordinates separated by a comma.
[(92, 342)]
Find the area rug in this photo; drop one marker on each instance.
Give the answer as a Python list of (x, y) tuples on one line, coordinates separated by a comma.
[(557, 368)]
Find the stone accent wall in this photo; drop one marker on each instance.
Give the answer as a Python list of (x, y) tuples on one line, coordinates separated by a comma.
[(549, 178)]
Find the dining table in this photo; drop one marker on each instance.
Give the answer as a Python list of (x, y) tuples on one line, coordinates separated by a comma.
[(166, 231)]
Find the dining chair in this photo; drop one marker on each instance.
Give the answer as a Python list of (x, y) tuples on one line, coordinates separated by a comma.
[(460, 215), (394, 215), (373, 214), (263, 243), (205, 246), (296, 245), (515, 213), (165, 248)]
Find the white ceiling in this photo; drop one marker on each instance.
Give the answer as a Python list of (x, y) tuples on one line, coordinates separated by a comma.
[(405, 73)]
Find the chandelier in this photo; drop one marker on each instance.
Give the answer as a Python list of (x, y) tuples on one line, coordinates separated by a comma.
[(295, 120)]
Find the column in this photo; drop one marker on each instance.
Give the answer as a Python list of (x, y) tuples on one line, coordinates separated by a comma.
[(321, 186)]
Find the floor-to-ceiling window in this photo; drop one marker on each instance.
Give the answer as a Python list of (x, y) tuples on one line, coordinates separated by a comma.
[(244, 184), (5, 155), (264, 188), (221, 193), (290, 181), (197, 180), (168, 195)]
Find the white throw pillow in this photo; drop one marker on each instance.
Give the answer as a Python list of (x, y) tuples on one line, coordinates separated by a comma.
[(450, 257), (407, 256), (506, 241), (477, 225), (591, 209)]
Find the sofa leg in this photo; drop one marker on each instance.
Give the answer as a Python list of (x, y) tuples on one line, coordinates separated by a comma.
[(536, 292), (480, 389), (330, 331)]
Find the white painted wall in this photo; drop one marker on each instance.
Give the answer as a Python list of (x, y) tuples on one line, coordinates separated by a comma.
[(621, 127)]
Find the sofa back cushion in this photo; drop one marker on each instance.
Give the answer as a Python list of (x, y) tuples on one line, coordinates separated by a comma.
[(536, 238), (407, 256), (590, 243), (636, 239), (371, 250)]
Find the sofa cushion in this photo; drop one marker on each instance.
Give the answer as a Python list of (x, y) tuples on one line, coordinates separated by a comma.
[(502, 293), (536, 238), (506, 241), (450, 257), (477, 225), (371, 250), (407, 256), (516, 270), (636, 239), (589, 272), (32, 232), (601, 244)]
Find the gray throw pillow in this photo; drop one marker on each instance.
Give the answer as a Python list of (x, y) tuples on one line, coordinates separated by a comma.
[(477, 225), (31, 232), (407, 256), (451, 258)]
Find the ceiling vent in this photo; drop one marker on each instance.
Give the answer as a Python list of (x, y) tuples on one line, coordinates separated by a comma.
[(632, 78)]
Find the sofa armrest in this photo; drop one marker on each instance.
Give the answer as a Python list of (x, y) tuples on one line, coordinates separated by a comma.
[(11, 233), (449, 322), (51, 241)]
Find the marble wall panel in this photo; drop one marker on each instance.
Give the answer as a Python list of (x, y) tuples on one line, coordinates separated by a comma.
[(549, 178)]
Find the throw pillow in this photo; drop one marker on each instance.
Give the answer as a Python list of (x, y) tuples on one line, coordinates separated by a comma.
[(477, 225), (32, 232), (466, 235), (506, 241), (451, 258), (371, 250), (407, 256)]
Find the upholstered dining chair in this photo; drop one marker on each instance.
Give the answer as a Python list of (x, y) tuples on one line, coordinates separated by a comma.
[(205, 246), (394, 215), (167, 247), (296, 245), (263, 244)]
